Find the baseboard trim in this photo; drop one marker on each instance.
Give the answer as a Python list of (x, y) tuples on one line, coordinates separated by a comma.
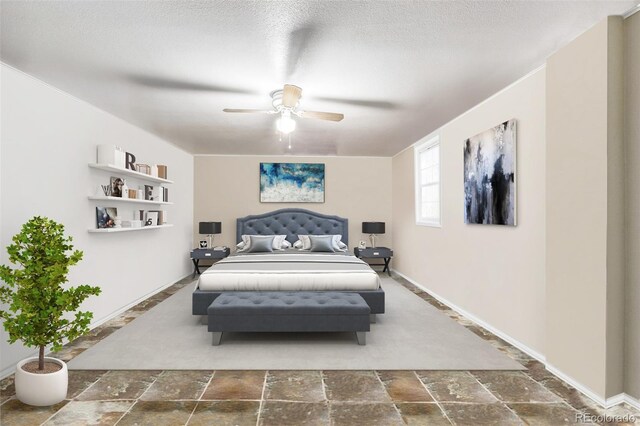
[(615, 400), (634, 402), (524, 348), (604, 403), (580, 387), (12, 369), (134, 303)]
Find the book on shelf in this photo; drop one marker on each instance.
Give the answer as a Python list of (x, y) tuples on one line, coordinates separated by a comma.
[(161, 216), (151, 218), (163, 194)]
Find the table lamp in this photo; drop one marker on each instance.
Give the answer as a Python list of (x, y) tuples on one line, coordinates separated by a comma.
[(210, 228), (373, 228)]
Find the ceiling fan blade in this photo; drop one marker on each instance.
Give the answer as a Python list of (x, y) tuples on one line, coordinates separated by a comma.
[(259, 111), (291, 95), (330, 116)]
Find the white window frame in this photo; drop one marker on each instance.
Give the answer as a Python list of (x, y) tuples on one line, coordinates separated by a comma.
[(417, 150)]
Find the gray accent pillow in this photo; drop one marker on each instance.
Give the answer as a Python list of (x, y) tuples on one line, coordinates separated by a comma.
[(321, 243), (261, 243)]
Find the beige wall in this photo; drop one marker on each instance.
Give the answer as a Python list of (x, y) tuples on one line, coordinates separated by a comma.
[(632, 151), (358, 188), (584, 247), (494, 272), (615, 207)]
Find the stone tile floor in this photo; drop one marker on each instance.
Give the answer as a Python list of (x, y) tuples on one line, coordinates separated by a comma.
[(249, 397)]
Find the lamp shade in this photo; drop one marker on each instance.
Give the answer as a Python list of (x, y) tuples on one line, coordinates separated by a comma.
[(373, 227), (210, 227)]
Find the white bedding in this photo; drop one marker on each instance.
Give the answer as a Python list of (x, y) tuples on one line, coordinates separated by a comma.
[(289, 271)]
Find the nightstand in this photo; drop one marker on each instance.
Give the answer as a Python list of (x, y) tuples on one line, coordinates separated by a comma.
[(199, 254), (384, 253)]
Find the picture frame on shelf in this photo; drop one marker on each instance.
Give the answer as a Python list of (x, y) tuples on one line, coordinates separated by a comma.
[(116, 186), (362, 245), (106, 217), (203, 244), (143, 168), (161, 216), (151, 219), (162, 171)]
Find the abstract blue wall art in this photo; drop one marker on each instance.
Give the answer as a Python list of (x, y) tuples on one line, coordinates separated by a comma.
[(291, 183), (490, 176)]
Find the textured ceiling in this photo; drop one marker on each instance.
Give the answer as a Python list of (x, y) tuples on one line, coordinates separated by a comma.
[(396, 69)]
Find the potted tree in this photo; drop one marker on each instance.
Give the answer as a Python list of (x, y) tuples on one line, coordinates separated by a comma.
[(35, 303)]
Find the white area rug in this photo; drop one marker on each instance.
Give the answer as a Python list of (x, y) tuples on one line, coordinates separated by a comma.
[(412, 335)]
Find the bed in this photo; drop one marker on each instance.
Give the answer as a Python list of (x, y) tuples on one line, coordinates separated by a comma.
[(290, 270)]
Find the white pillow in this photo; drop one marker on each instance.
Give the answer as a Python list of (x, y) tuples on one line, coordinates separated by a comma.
[(298, 245), (286, 244), (306, 242), (244, 244), (338, 245), (278, 242)]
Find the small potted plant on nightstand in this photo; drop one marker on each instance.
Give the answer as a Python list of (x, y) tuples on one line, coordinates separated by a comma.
[(36, 303)]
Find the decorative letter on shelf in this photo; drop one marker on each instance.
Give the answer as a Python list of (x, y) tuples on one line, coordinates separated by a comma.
[(130, 163)]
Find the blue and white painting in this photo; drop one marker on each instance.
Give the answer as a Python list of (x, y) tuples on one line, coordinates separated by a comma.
[(490, 176), (291, 183)]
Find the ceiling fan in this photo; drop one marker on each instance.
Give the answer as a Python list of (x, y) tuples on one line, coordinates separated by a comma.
[(286, 102)]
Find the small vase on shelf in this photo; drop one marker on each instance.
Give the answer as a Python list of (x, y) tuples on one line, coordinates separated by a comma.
[(125, 189)]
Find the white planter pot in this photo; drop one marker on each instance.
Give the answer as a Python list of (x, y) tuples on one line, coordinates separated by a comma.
[(41, 389)]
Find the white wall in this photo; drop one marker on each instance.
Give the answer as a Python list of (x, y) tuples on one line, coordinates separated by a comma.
[(496, 273), (47, 140)]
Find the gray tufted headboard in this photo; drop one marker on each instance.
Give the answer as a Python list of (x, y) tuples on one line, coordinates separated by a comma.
[(292, 222)]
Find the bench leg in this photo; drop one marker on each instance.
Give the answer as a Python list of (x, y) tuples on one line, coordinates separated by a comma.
[(216, 336), (372, 318), (362, 337)]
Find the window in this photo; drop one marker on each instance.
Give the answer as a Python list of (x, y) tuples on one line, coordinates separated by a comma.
[(427, 182)]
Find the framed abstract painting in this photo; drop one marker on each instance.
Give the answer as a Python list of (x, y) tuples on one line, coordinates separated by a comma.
[(291, 183), (490, 176)]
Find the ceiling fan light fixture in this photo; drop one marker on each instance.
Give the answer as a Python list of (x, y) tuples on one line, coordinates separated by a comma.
[(286, 124)]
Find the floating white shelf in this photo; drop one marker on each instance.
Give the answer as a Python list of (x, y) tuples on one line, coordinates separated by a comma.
[(141, 176), (144, 228), (129, 200)]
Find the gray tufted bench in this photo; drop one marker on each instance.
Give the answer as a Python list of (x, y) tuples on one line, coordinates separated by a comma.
[(299, 311)]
